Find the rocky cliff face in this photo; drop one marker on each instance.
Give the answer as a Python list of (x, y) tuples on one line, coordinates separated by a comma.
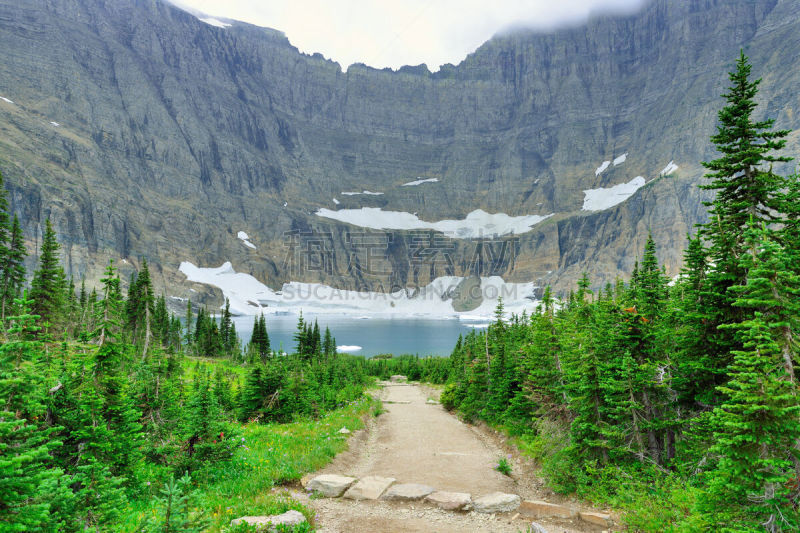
[(143, 132)]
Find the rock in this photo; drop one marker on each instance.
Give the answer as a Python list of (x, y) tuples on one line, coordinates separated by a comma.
[(330, 485), (407, 492), (240, 175), (369, 488), (344, 431), (536, 528), (398, 378), (271, 523), (542, 509), (496, 502), (432, 402), (600, 519), (450, 501)]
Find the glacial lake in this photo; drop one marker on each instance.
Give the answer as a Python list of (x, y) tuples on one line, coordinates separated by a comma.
[(398, 336)]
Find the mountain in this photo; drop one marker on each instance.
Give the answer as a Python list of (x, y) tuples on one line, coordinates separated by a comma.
[(142, 131)]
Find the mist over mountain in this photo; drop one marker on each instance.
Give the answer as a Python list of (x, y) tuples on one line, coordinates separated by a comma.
[(142, 131)]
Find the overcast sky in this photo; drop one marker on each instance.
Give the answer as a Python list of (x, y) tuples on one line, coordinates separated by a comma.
[(394, 33)]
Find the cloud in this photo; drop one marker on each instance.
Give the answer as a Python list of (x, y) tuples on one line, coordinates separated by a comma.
[(402, 32)]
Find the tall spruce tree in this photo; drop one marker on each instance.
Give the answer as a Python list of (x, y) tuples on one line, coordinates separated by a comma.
[(12, 268), (757, 427), (48, 287), (746, 190)]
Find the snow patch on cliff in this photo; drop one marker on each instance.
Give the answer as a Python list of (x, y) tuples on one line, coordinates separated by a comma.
[(478, 223), (420, 181), (600, 199), (242, 236), (669, 169), (621, 159), (6, 100), (602, 168), (248, 296), (211, 21)]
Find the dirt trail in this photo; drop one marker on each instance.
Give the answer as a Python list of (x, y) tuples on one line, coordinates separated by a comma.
[(418, 442)]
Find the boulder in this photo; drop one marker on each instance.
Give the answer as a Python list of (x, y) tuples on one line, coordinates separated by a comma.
[(369, 488), (536, 528), (450, 501), (541, 509), (600, 519), (496, 502), (271, 523), (330, 485), (344, 431), (407, 492)]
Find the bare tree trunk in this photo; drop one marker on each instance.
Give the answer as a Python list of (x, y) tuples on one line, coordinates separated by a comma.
[(146, 331)]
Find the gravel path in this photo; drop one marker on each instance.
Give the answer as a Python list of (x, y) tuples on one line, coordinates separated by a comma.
[(418, 442)]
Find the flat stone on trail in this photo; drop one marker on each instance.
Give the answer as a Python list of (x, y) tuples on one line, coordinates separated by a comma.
[(496, 502), (369, 488), (407, 492), (600, 519), (398, 378), (541, 509), (450, 501), (330, 485), (271, 523)]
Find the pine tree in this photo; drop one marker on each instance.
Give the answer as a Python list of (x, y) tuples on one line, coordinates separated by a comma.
[(108, 309), (189, 333), (175, 513), (300, 336), (28, 480), (745, 190), (12, 268), (758, 423), (49, 282), (328, 344)]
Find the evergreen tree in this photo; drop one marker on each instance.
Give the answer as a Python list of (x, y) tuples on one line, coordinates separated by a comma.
[(12, 268), (746, 190), (328, 344), (49, 282), (757, 427)]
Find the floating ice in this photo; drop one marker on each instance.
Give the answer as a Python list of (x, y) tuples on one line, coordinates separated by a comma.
[(478, 223), (347, 348), (621, 159), (599, 199), (242, 236), (420, 181), (602, 168), (669, 169)]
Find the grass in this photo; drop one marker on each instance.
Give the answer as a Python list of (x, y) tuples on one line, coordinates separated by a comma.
[(503, 466), (645, 498), (268, 455)]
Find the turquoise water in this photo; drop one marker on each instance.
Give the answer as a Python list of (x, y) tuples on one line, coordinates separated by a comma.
[(418, 336)]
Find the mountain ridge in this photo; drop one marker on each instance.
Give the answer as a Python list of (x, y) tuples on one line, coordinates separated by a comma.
[(174, 135)]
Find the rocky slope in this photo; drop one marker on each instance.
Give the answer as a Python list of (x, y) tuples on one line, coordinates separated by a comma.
[(142, 131)]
